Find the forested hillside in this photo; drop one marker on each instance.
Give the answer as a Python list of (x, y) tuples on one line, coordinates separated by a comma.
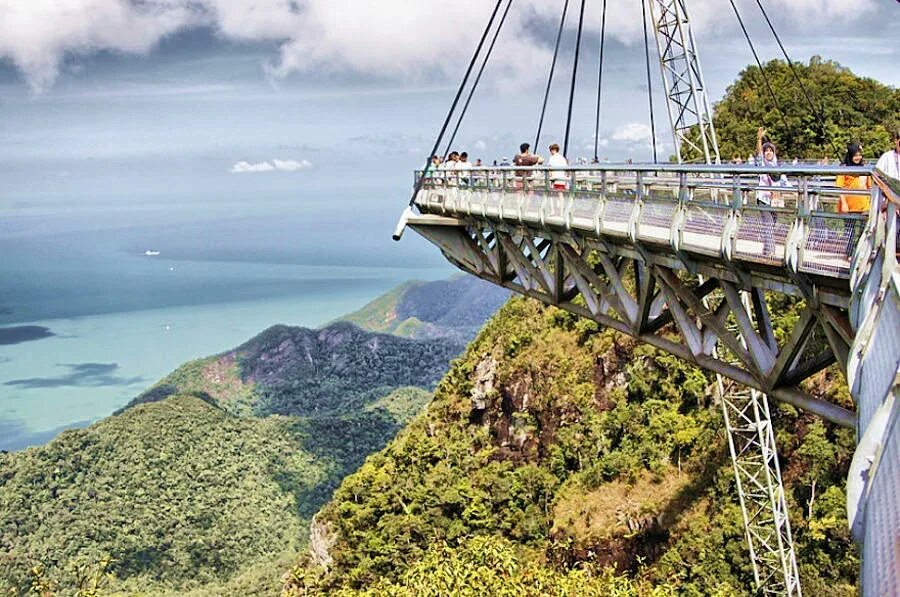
[(171, 495), (555, 452), (454, 309), (845, 107), (208, 480)]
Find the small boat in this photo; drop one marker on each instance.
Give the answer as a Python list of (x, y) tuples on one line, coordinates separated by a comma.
[(151, 253)]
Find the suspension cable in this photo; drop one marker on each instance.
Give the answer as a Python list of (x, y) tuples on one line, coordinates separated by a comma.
[(459, 93), (484, 64), (762, 71), (817, 110), (600, 82), (574, 79), (562, 23), (649, 82)]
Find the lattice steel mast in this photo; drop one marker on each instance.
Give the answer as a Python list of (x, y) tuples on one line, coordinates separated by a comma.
[(751, 438), (690, 113)]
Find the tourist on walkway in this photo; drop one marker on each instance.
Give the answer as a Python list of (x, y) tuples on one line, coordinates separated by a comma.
[(767, 157), (449, 168), (463, 167), (557, 160), (853, 204), (528, 159), (890, 162)]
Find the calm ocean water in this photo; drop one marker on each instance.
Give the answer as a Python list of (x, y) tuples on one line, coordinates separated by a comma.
[(89, 318)]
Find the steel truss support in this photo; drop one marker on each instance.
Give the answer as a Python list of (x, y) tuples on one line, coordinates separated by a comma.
[(690, 318), (690, 113), (748, 422), (664, 308), (751, 441)]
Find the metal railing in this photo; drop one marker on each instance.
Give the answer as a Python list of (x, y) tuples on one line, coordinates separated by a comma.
[(873, 485), (787, 217)]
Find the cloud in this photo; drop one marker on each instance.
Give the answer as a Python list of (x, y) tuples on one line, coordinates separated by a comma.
[(633, 132), (248, 168), (393, 38), (291, 165), (244, 167)]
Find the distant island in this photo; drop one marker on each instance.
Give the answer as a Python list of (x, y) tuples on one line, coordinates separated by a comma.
[(23, 333)]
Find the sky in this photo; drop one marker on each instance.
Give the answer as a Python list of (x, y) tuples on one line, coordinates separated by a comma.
[(186, 97)]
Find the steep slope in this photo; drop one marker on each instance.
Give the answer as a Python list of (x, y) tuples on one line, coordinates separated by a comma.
[(455, 309), (207, 481), (174, 494), (577, 450)]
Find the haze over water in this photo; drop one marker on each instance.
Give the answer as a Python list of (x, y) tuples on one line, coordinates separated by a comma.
[(88, 319)]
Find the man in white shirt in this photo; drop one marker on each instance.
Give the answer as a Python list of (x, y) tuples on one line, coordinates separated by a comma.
[(890, 162), (557, 160), (464, 165)]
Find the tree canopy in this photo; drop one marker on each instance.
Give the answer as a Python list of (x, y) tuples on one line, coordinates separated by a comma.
[(845, 107)]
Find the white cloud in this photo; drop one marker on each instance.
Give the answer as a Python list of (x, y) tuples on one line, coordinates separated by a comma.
[(392, 38), (248, 168), (633, 132), (291, 165), (244, 167)]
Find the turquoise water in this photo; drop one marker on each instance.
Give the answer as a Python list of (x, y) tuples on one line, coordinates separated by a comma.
[(89, 319)]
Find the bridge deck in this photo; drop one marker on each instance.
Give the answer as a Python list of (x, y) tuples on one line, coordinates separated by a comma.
[(694, 239), (727, 217)]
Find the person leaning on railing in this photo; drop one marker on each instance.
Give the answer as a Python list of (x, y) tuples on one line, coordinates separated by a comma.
[(853, 204), (528, 159), (852, 182)]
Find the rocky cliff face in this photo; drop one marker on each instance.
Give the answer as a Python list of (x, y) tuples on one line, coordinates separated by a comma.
[(584, 449)]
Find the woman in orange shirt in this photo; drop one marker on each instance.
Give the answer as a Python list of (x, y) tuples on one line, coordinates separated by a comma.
[(853, 204)]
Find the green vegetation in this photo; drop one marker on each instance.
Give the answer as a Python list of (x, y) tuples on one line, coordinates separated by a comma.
[(207, 482), (847, 108), (454, 308), (162, 493), (556, 450), (496, 566), (381, 314)]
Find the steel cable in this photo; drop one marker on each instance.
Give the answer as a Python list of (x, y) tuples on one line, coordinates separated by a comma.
[(762, 71), (600, 82), (818, 111), (562, 24), (459, 93), (574, 79), (484, 64), (649, 83)]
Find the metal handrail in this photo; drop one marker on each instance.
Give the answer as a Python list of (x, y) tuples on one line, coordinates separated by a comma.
[(789, 170)]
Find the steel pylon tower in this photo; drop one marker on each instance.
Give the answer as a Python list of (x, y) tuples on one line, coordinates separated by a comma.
[(690, 112), (748, 423)]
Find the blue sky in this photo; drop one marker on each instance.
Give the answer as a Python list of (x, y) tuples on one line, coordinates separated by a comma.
[(167, 96)]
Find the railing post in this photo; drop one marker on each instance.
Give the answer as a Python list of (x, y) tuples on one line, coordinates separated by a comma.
[(795, 251), (638, 205)]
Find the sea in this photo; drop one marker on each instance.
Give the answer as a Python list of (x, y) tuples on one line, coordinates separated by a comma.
[(100, 297)]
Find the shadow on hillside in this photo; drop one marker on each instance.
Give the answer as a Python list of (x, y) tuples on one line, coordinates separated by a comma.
[(340, 444)]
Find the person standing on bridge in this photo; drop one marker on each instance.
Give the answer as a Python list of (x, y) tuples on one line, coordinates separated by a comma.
[(527, 159), (890, 162), (464, 167), (767, 157), (557, 160), (853, 204)]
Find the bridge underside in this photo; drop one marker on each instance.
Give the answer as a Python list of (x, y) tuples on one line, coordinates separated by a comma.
[(682, 304)]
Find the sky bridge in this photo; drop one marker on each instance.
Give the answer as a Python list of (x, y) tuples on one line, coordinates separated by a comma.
[(682, 257), (687, 258)]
